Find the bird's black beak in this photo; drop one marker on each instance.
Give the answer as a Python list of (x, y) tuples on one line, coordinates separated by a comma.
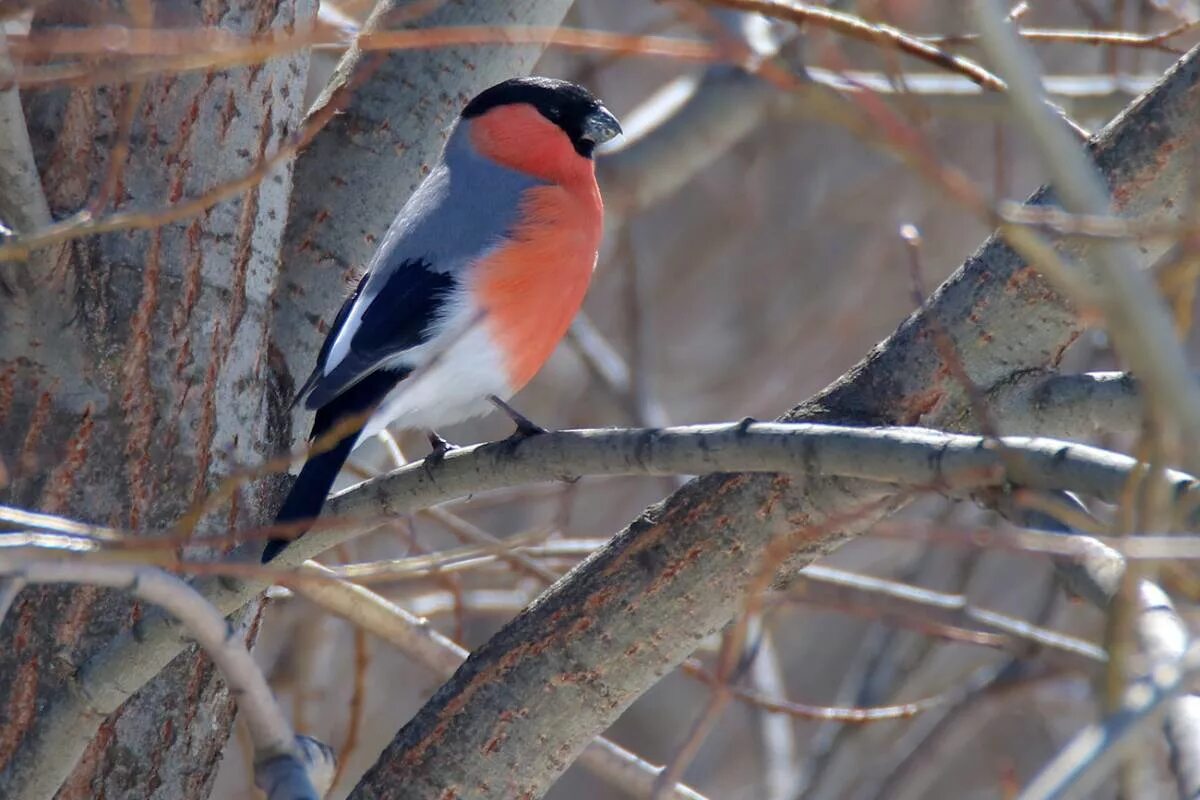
[(600, 126)]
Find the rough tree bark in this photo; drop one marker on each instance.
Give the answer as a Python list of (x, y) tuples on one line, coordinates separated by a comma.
[(520, 709), (133, 374), (214, 402)]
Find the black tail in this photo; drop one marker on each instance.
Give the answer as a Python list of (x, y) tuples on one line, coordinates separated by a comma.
[(307, 495)]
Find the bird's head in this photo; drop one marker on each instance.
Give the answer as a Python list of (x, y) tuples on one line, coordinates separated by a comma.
[(541, 126)]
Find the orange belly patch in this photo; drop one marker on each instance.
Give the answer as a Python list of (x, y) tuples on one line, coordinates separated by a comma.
[(532, 287)]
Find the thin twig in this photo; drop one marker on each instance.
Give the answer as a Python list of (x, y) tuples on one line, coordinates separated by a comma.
[(892, 597), (856, 27), (1152, 41)]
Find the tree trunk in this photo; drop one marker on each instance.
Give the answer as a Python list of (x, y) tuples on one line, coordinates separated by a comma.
[(134, 373)]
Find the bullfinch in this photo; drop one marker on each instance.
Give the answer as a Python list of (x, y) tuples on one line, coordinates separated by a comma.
[(473, 286)]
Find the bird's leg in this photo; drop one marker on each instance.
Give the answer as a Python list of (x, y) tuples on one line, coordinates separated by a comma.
[(437, 454), (525, 426)]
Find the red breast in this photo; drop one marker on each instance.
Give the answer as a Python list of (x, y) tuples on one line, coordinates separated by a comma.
[(533, 286)]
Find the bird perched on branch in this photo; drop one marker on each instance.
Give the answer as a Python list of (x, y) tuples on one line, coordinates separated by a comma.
[(471, 289)]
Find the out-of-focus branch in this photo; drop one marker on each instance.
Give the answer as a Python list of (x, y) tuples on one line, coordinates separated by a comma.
[(9, 589), (1084, 96), (1096, 572), (876, 33), (414, 637), (23, 205), (282, 764), (826, 585), (679, 131), (1139, 321), (693, 120), (1173, 666), (685, 125), (781, 763)]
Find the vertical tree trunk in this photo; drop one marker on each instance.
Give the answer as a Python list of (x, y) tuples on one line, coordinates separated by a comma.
[(134, 373)]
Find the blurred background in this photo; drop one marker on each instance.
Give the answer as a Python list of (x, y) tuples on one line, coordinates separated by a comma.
[(752, 280)]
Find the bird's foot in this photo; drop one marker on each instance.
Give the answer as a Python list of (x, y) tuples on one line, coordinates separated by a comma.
[(437, 453), (439, 446), (525, 426)]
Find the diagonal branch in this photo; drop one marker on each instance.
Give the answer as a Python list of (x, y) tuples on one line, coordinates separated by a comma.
[(413, 636)]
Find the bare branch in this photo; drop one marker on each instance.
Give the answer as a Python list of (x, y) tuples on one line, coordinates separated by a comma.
[(23, 205), (875, 33), (777, 734), (1099, 573), (1073, 406), (824, 584)]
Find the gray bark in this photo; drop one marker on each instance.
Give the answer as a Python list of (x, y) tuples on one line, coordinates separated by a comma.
[(563, 671), (135, 374)]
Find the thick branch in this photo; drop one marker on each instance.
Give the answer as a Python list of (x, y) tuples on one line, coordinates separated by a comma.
[(1072, 406)]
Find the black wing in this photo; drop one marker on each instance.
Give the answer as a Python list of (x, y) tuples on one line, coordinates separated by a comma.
[(397, 318)]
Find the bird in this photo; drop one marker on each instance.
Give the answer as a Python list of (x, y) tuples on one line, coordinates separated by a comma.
[(470, 290)]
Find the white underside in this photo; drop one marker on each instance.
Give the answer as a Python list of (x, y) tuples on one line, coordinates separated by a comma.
[(454, 373)]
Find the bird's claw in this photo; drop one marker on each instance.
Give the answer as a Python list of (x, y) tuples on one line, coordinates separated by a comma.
[(526, 427), (437, 453), (438, 447)]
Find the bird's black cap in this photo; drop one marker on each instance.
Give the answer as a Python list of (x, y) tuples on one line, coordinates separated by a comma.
[(568, 105)]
